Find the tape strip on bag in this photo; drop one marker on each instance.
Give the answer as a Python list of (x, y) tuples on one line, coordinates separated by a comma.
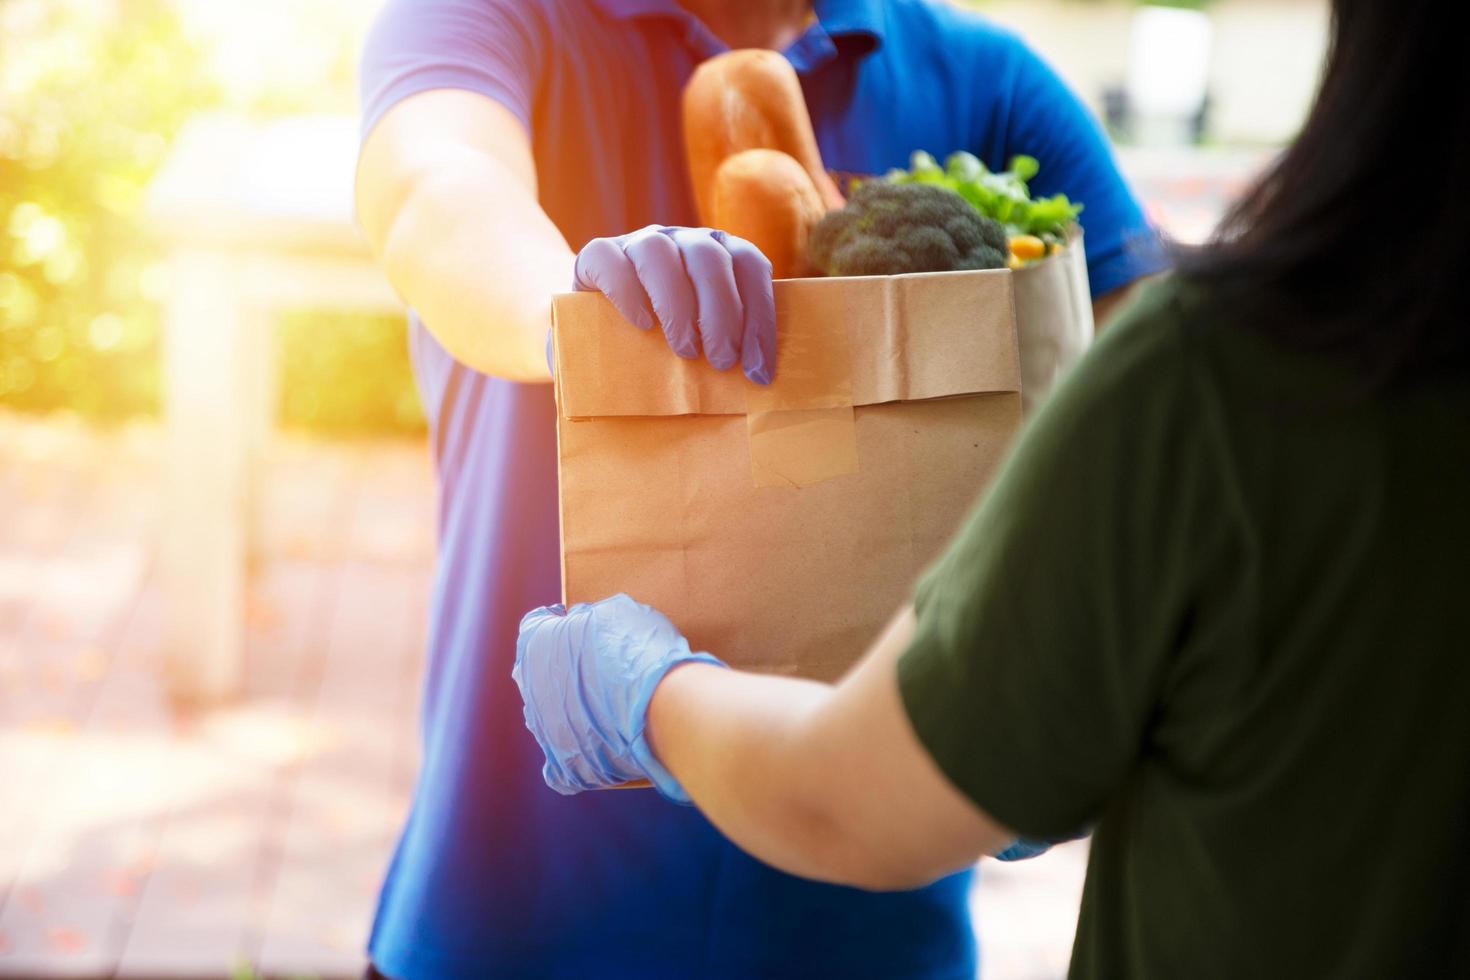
[(801, 427)]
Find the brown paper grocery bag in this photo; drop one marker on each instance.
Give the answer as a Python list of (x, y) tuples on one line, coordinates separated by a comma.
[(780, 526), (1053, 319)]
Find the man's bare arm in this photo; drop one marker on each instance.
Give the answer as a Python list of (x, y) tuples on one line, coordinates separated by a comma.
[(446, 193)]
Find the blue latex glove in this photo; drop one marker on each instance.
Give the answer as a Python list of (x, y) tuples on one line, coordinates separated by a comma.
[(1022, 849), (709, 291), (587, 675)]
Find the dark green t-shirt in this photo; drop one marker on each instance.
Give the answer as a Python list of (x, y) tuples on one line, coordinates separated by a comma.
[(1218, 604)]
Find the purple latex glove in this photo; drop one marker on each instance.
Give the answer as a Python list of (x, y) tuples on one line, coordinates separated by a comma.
[(709, 291), (587, 675)]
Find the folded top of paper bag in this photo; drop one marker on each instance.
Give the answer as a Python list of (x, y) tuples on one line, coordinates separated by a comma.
[(906, 338)]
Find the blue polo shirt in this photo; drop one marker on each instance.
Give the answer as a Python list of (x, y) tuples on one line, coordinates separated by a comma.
[(496, 875)]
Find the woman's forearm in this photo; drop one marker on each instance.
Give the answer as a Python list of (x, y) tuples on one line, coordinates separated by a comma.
[(739, 745), (827, 782)]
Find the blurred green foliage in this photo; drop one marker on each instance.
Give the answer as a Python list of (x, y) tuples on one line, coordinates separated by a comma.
[(358, 382), (88, 105), (91, 96)]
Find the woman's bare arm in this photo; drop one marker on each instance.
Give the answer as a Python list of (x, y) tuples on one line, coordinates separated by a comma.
[(821, 781)]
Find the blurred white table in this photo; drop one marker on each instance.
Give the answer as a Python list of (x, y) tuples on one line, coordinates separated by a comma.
[(257, 219)]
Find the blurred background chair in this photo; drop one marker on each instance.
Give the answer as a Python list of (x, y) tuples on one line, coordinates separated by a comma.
[(256, 218)]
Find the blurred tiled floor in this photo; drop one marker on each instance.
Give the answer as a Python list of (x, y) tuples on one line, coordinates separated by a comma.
[(146, 840), (139, 839)]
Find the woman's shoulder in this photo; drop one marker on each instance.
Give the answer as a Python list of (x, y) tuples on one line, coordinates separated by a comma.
[(1154, 314), (1144, 347), (1179, 335), (1205, 341), (1139, 404)]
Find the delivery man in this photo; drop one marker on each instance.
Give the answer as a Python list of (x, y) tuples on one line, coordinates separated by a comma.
[(505, 143), (1213, 602)]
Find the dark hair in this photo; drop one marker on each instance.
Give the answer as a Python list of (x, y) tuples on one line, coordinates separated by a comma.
[(1354, 243)]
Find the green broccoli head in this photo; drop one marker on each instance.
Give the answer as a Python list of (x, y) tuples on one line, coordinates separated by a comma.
[(887, 229)]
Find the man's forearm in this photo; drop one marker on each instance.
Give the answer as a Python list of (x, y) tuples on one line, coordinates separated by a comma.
[(480, 267)]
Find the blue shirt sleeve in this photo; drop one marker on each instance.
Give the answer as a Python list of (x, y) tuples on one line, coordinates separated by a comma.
[(495, 48), (1047, 121)]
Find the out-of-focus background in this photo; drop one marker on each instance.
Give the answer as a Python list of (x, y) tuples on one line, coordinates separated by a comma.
[(215, 505)]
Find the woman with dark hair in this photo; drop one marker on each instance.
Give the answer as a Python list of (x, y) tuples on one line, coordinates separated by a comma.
[(1217, 604)]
